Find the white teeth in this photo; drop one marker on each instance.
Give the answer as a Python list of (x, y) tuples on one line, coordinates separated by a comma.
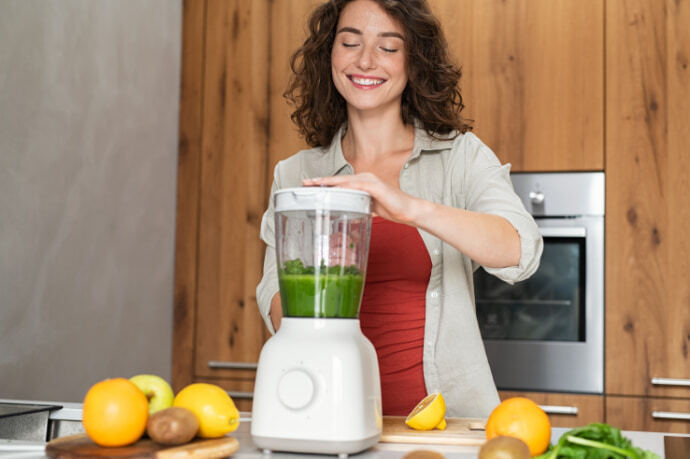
[(367, 81)]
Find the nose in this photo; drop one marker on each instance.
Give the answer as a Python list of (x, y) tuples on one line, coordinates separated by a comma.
[(367, 59)]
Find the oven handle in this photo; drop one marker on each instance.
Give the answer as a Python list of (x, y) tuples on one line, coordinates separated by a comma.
[(563, 231)]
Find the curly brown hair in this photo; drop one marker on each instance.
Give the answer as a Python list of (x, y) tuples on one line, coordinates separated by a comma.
[(431, 97)]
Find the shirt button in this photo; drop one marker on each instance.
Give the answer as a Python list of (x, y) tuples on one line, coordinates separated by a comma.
[(436, 251), (406, 165), (434, 294)]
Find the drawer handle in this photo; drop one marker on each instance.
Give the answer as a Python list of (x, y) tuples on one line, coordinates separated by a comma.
[(242, 395), (671, 382), (232, 365), (671, 415), (554, 409)]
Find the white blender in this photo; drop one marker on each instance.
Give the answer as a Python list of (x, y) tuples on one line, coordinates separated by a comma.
[(317, 386)]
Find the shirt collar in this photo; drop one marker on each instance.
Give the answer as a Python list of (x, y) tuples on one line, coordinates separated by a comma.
[(423, 142)]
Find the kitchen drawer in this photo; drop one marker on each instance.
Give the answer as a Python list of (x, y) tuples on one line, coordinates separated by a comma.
[(240, 389), (565, 410), (649, 413)]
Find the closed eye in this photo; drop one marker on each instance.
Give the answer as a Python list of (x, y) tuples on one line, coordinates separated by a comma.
[(389, 50), (349, 45)]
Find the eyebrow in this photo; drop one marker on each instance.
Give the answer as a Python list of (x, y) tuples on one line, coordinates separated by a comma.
[(359, 32)]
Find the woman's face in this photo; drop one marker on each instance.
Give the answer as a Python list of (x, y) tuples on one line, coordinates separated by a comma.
[(368, 57)]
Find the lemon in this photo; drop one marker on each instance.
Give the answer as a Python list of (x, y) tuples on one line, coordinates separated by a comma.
[(429, 414), (214, 408)]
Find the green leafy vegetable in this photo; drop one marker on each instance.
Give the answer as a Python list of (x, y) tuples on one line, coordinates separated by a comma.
[(297, 267), (595, 441)]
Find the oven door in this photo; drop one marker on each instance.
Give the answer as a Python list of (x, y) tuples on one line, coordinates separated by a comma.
[(546, 333)]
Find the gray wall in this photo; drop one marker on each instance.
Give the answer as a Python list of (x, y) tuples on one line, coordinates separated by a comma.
[(89, 93)]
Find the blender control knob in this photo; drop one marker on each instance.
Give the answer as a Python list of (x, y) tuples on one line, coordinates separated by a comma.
[(296, 389)]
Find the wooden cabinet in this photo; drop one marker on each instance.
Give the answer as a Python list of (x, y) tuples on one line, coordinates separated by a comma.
[(221, 194), (647, 213), (565, 410), (648, 165), (533, 78), (649, 413)]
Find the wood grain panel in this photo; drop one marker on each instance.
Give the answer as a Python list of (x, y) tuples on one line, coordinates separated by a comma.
[(636, 413), (533, 78), (648, 170), (189, 156), (288, 31), (590, 408), (233, 180)]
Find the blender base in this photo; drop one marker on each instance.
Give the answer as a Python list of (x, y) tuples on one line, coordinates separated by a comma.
[(317, 389), (342, 448)]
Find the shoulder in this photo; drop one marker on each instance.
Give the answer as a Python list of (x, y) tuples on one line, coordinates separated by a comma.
[(310, 162), (469, 150)]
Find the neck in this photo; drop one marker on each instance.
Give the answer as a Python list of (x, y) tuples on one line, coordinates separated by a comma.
[(372, 135)]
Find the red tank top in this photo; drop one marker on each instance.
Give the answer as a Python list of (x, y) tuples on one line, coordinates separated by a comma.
[(393, 310)]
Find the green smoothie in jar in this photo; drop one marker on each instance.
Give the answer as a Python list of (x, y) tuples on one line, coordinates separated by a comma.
[(332, 292)]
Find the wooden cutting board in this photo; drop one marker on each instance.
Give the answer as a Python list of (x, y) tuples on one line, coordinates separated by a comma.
[(460, 431), (80, 445)]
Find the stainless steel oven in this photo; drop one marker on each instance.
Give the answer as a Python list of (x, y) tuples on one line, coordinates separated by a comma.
[(547, 332)]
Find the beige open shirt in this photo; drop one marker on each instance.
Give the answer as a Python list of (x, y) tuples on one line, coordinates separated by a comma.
[(460, 172)]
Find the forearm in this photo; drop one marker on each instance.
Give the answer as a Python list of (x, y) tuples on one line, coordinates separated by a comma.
[(276, 312), (488, 239)]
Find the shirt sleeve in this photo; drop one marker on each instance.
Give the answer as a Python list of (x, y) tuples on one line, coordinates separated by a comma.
[(488, 189), (268, 286)]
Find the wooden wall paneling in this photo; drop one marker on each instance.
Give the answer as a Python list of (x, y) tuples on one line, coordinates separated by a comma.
[(590, 407), (677, 345), (636, 413), (189, 155), (647, 166), (229, 327), (288, 31), (533, 78)]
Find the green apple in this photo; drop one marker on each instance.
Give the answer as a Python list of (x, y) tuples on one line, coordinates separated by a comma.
[(157, 390)]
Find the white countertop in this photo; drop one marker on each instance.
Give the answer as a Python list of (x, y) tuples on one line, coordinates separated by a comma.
[(652, 441)]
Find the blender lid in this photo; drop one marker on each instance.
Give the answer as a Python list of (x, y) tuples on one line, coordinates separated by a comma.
[(322, 198)]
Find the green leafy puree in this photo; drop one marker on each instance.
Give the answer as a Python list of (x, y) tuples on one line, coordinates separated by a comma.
[(322, 291), (595, 441), (297, 267)]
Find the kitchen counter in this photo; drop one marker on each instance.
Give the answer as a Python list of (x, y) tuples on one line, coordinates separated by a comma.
[(647, 440)]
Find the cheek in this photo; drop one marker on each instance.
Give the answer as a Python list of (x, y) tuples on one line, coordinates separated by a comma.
[(336, 60)]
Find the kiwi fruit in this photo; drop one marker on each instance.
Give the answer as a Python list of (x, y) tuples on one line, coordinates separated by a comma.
[(172, 426), (503, 447)]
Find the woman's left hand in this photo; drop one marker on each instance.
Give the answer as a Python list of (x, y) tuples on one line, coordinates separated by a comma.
[(388, 201)]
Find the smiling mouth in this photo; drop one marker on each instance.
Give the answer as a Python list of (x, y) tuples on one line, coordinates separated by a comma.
[(366, 83)]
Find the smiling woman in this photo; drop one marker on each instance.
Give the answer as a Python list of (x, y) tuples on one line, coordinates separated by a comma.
[(376, 96)]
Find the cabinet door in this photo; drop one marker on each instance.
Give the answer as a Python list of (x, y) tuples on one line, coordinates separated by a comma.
[(565, 410), (649, 414), (647, 211), (533, 78), (288, 31), (232, 189)]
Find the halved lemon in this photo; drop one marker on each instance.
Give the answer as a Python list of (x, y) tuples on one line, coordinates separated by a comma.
[(429, 414)]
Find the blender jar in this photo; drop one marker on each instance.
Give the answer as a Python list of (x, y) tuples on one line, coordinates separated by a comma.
[(322, 247)]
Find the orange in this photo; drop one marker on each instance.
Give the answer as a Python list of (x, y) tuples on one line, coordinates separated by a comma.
[(521, 418), (115, 412)]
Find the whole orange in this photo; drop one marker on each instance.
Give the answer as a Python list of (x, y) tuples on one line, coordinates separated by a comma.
[(115, 412), (520, 417)]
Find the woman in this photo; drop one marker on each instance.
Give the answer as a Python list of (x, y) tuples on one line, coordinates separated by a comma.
[(376, 97)]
